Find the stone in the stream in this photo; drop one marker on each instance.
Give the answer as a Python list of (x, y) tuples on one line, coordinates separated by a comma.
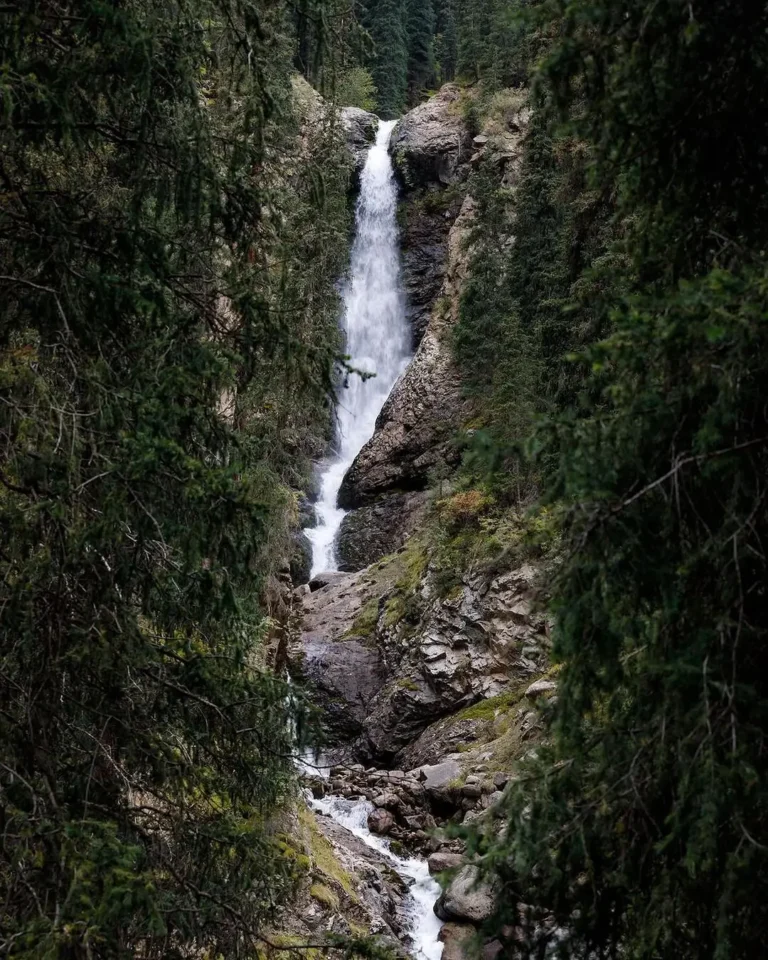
[(388, 800), (443, 860), (438, 775), (381, 822), (466, 898)]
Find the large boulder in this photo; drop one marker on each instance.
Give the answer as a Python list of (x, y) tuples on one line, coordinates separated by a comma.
[(433, 142), (368, 534), (344, 670), (443, 860), (380, 822), (359, 133), (459, 941), (466, 899)]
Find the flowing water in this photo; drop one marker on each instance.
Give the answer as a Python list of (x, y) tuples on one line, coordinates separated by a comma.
[(377, 342), (423, 890), (377, 336)]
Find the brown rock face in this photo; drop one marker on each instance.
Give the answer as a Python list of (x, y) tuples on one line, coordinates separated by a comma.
[(359, 128), (432, 142), (416, 427)]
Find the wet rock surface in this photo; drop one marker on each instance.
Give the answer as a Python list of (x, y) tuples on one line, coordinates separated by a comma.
[(415, 431), (371, 532)]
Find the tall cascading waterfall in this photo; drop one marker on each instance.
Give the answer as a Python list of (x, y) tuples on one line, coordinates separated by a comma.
[(377, 336), (377, 342)]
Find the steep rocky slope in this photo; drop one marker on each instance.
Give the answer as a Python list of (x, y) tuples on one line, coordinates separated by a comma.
[(430, 688)]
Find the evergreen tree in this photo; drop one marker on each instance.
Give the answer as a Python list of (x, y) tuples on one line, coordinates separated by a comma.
[(161, 340), (386, 22), (642, 829), (420, 30), (446, 41)]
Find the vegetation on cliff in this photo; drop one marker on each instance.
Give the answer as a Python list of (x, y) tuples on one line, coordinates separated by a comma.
[(616, 351)]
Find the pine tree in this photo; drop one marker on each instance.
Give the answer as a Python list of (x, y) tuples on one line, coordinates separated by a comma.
[(386, 21), (420, 30), (155, 359), (641, 830), (446, 40)]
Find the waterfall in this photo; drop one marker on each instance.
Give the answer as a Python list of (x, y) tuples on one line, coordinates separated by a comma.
[(377, 336), (378, 343)]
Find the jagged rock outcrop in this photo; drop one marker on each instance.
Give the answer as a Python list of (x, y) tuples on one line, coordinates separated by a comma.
[(467, 647), (370, 533), (359, 132), (387, 678), (433, 141), (431, 146)]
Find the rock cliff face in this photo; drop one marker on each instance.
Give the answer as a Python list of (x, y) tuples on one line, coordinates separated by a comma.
[(432, 693), (431, 146), (369, 533), (416, 428), (359, 132), (432, 143), (387, 661)]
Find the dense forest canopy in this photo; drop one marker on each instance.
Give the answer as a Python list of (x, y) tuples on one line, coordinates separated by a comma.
[(174, 215)]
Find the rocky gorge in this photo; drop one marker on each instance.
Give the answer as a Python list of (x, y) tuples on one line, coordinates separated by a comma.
[(429, 691)]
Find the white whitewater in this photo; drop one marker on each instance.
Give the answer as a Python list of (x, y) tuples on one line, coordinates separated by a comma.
[(423, 891), (377, 336), (377, 342)]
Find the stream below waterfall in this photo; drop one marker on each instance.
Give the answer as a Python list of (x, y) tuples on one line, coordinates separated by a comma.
[(424, 926), (378, 343)]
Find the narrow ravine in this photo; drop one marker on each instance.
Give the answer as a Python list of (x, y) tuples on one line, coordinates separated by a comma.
[(376, 333), (377, 343)]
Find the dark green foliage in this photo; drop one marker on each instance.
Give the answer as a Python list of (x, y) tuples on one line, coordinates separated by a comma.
[(642, 829), (446, 40), (420, 32), (386, 21), (160, 341), (645, 829), (494, 39), (543, 271)]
